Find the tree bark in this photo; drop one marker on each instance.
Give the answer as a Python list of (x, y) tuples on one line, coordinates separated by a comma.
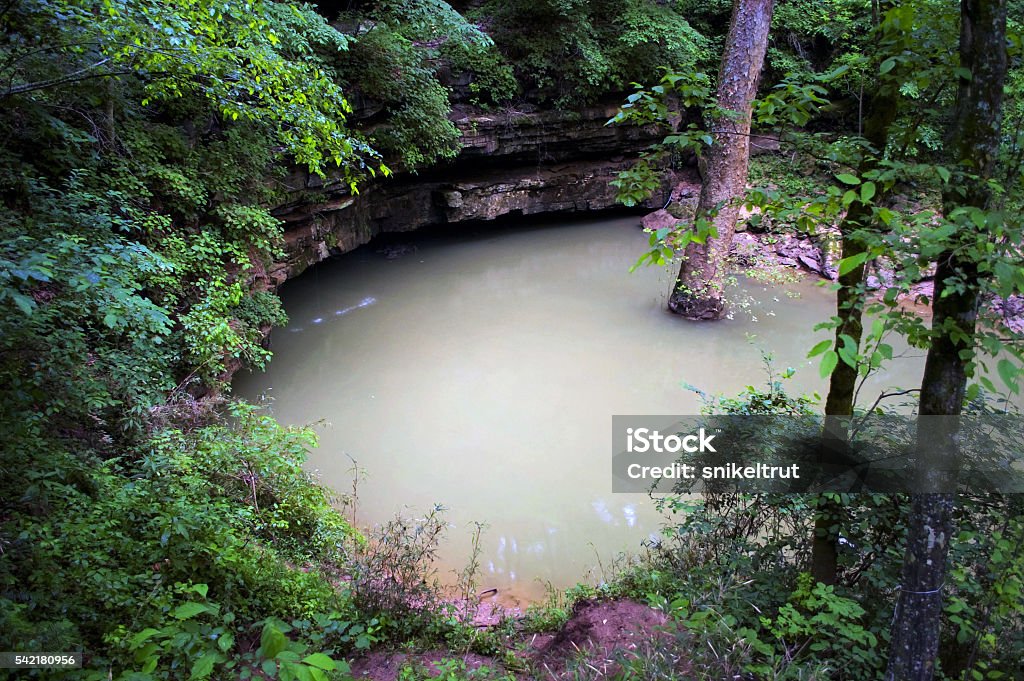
[(850, 310), (698, 293), (915, 629)]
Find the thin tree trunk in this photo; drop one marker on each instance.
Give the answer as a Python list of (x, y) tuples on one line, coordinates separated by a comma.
[(699, 294), (850, 310), (915, 629), (882, 110)]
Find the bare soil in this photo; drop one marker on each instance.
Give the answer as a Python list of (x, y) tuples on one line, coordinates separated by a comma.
[(597, 635)]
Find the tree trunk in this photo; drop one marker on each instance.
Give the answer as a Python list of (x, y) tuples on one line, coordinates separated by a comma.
[(915, 628), (698, 294), (850, 310)]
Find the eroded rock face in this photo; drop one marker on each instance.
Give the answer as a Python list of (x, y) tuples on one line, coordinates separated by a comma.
[(549, 136), (512, 163)]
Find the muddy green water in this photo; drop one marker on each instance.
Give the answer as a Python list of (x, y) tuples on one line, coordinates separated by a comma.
[(481, 372)]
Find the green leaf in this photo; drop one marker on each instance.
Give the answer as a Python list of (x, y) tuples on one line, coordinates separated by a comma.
[(141, 637), (887, 66), (188, 610), (978, 217), (320, 661), (963, 73), (848, 350), (847, 265), (150, 664), (226, 641), (828, 363), (832, 75), (847, 178), (272, 641), (1009, 372), (24, 303), (867, 190), (819, 348), (943, 173), (203, 666)]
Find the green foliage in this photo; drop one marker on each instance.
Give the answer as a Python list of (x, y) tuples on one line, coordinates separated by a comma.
[(790, 175), (393, 64), (982, 633), (903, 226), (277, 657), (635, 185), (493, 79), (732, 570), (80, 340), (771, 399), (230, 505), (127, 240), (259, 309), (728, 587), (394, 71), (550, 614), (827, 625), (570, 52), (136, 522), (393, 577), (807, 37), (451, 669), (227, 54)]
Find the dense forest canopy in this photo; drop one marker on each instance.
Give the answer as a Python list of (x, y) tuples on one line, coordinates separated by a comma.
[(170, 532)]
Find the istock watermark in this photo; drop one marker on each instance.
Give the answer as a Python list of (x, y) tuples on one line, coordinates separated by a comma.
[(648, 440), (874, 453)]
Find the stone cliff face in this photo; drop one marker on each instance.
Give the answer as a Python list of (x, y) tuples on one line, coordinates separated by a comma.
[(511, 163)]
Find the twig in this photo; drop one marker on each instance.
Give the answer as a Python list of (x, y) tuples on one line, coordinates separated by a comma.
[(881, 396)]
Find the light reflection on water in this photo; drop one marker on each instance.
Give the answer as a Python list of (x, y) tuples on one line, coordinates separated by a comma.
[(483, 374), (365, 302)]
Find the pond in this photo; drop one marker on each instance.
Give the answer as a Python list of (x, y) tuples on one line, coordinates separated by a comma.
[(481, 371)]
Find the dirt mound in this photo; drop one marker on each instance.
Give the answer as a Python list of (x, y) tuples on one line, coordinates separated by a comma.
[(596, 634)]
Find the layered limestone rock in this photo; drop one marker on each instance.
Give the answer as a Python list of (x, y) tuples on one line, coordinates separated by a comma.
[(543, 137), (512, 163)]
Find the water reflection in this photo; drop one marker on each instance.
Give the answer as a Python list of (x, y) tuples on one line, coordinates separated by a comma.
[(629, 513), (365, 302), (601, 509)]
